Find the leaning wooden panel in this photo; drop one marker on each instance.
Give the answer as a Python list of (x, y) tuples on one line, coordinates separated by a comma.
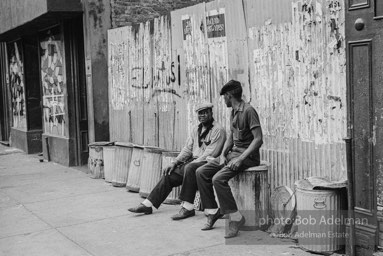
[(190, 52), (260, 12), (216, 27), (297, 76), (118, 77), (232, 22), (137, 86), (164, 81)]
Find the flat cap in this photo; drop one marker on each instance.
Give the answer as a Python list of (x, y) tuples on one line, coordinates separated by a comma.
[(231, 86), (202, 106)]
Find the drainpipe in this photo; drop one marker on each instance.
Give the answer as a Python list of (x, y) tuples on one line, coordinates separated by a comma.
[(350, 194)]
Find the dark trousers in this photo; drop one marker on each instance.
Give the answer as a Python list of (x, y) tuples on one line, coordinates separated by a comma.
[(182, 175), (212, 174)]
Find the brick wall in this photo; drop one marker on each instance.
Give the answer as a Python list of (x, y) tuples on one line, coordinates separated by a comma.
[(126, 12)]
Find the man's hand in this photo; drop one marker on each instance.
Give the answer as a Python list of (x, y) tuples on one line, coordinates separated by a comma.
[(235, 163), (223, 159), (169, 169)]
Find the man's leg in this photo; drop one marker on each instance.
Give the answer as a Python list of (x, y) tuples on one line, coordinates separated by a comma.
[(189, 188), (189, 184), (204, 175), (221, 186), (163, 188), (226, 199), (160, 191), (205, 186)]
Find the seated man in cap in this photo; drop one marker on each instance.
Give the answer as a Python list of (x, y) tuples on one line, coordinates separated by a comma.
[(206, 139), (240, 151)]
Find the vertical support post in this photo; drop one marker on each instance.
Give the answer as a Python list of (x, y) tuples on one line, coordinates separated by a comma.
[(350, 194)]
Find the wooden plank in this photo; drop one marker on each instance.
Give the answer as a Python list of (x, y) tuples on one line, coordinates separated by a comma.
[(118, 77), (189, 47)]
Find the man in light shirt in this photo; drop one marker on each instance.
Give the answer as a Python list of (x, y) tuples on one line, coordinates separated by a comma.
[(206, 140)]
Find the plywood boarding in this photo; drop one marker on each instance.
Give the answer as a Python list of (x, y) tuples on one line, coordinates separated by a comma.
[(137, 86), (292, 68), (228, 53), (189, 49), (119, 83), (164, 81), (181, 130), (263, 12), (298, 86)]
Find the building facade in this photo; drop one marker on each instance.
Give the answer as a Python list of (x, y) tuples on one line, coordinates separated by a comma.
[(44, 79)]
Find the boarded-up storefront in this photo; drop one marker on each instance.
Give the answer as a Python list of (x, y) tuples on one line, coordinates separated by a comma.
[(291, 65)]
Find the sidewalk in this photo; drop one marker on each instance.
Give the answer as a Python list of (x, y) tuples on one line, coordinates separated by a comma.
[(48, 209)]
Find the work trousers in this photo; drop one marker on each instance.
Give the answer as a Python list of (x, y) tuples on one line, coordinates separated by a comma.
[(218, 175), (182, 175)]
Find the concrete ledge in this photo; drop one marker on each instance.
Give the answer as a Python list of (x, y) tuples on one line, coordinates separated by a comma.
[(28, 141), (59, 149)]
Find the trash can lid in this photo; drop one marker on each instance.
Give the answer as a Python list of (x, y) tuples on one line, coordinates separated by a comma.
[(170, 153), (319, 183), (283, 204), (101, 143), (125, 144), (154, 149)]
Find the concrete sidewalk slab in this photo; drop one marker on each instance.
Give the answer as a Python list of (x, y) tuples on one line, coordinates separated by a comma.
[(48, 190), (48, 209), (6, 201), (44, 243), (147, 235), (18, 220), (82, 208)]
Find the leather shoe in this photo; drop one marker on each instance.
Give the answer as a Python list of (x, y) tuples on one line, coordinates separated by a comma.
[(183, 214), (234, 227), (211, 219), (141, 209)]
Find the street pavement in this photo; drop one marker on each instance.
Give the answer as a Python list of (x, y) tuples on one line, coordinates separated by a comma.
[(49, 209)]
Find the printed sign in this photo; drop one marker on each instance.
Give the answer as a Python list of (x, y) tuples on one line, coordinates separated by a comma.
[(186, 27), (216, 25)]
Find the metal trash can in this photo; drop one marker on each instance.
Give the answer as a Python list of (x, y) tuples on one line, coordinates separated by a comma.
[(122, 158), (134, 175), (251, 192), (320, 218), (96, 159), (109, 162), (151, 170)]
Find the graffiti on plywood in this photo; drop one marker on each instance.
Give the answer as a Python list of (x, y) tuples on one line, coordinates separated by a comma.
[(163, 68), (16, 82), (53, 85)]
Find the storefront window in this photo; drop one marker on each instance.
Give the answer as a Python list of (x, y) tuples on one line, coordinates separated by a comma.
[(16, 83), (53, 84)]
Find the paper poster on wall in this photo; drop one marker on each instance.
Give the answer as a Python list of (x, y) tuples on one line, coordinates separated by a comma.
[(16, 82), (186, 26), (215, 25), (53, 85)]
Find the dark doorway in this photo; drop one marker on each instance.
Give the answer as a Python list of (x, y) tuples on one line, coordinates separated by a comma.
[(74, 34)]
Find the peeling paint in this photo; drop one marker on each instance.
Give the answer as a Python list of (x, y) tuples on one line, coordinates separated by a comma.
[(297, 80)]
